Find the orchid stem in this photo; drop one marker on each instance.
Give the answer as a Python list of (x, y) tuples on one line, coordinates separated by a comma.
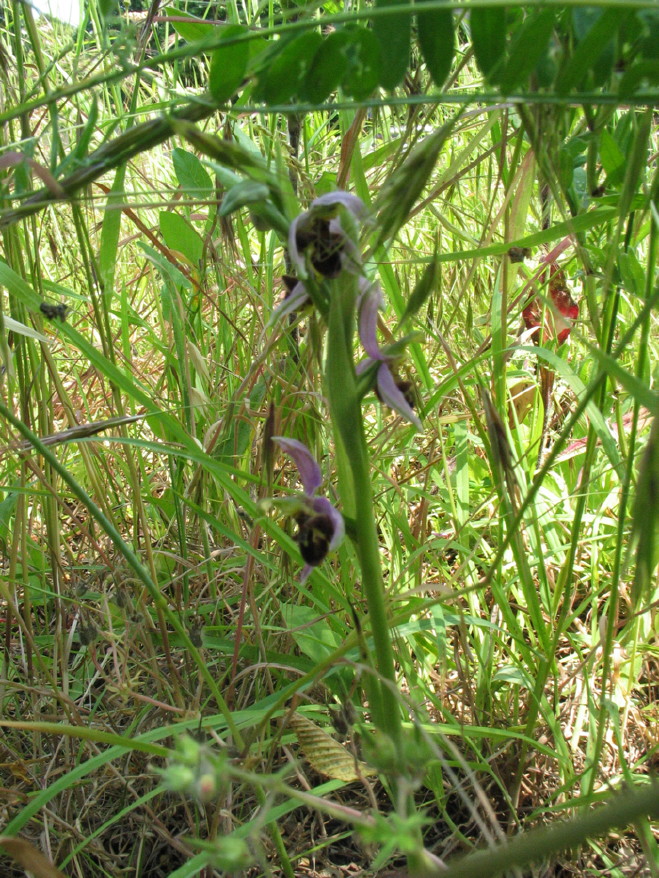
[(346, 414)]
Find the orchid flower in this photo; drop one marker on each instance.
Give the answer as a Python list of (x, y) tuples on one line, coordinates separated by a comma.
[(321, 526), (391, 391), (296, 297), (319, 230)]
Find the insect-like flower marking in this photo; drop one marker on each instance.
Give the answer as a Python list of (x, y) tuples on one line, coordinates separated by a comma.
[(319, 234), (50, 311)]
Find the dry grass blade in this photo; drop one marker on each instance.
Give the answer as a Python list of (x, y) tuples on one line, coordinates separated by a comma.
[(31, 859)]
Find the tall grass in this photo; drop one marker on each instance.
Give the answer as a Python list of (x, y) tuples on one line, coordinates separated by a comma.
[(160, 654)]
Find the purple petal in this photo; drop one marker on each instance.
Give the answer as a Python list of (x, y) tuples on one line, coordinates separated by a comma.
[(322, 506), (362, 366), (296, 259), (306, 572), (294, 300), (351, 202), (310, 474), (392, 396), (370, 303)]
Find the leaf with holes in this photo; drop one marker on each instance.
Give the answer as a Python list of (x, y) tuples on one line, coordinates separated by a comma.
[(364, 58), (288, 71), (328, 67)]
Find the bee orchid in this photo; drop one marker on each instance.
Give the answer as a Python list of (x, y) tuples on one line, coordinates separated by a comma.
[(295, 299), (320, 526), (390, 390), (319, 234)]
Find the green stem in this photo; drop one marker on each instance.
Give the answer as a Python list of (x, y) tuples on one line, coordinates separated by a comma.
[(346, 414)]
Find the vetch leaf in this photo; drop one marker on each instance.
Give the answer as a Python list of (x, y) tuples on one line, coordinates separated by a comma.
[(364, 59), (393, 32), (192, 29), (191, 174), (488, 35), (424, 287), (288, 71), (179, 235), (436, 36), (247, 192), (527, 49), (328, 67), (228, 64), (313, 636)]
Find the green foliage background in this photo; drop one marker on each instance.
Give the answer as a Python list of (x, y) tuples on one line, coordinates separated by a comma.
[(150, 166)]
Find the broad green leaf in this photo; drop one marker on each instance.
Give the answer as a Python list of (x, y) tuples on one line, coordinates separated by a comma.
[(527, 49), (108, 8), (247, 192), (191, 174), (436, 36), (364, 64), (596, 40), (612, 158), (393, 32), (179, 235), (649, 43), (488, 35), (328, 67), (193, 28), (287, 73), (7, 507), (228, 64), (107, 254), (639, 74), (313, 636), (423, 289)]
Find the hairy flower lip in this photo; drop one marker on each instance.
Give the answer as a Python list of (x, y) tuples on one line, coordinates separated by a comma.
[(317, 211)]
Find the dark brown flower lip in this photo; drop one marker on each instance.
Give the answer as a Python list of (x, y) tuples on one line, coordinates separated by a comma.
[(314, 537), (326, 247)]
